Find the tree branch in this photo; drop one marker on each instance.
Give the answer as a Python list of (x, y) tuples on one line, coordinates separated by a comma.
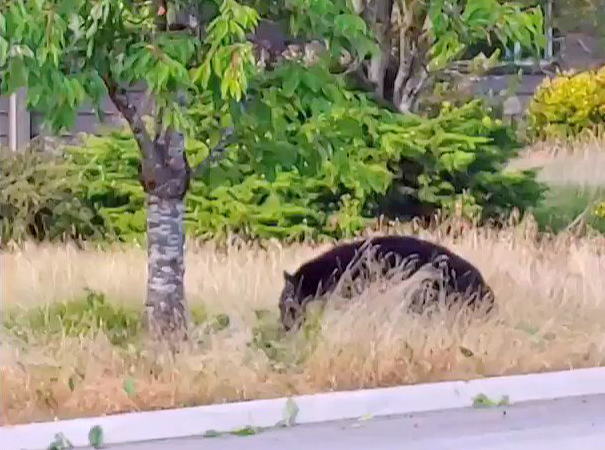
[(218, 152), (129, 112)]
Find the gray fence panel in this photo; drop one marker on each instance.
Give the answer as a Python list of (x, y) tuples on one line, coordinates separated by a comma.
[(87, 120), (4, 104), (526, 87), (3, 127), (3, 121)]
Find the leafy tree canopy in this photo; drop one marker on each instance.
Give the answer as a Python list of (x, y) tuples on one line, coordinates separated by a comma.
[(70, 51)]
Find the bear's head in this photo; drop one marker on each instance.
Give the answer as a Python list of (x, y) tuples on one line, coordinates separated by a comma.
[(290, 302)]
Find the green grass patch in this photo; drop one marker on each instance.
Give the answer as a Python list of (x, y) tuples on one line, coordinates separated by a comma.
[(483, 401), (91, 314), (563, 204), (75, 318)]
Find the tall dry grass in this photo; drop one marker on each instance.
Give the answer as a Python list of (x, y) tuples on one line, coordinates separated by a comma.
[(578, 162), (551, 316)]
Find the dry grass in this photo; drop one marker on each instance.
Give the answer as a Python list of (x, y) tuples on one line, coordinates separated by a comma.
[(577, 163), (551, 316)]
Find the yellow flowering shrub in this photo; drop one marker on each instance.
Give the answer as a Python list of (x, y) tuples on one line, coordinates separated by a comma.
[(600, 210), (565, 106)]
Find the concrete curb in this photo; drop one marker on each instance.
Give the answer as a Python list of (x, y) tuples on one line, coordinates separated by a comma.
[(183, 422)]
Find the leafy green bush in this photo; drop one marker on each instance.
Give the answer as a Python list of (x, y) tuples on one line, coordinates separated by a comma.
[(105, 177), (568, 105), (340, 157), (339, 161), (37, 199)]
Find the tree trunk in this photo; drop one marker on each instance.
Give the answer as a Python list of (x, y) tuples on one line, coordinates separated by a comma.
[(408, 88), (165, 265), (165, 177), (379, 17), (377, 68), (414, 44), (164, 173)]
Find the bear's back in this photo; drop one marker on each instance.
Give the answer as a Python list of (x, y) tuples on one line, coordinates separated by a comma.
[(465, 274), (328, 267)]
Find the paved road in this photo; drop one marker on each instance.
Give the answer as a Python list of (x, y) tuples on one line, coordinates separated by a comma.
[(562, 424)]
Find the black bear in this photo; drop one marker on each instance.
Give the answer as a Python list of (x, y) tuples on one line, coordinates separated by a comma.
[(322, 274)]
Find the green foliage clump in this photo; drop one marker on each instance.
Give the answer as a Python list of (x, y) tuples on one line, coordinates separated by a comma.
[(568, 105), (37, 198), (338, 157), (107, 180), (313, 160)]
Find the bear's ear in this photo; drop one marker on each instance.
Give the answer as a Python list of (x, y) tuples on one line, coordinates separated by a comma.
[(289, 277)]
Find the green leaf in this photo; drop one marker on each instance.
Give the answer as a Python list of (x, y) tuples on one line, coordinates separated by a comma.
[(290, 412), (480, 12), (17, 75), (129, 386), (291, 83), (60, 443), (246, 431), (223, 321), (376, 176), (282, 153), (95, 436), (457, 160), (483, 401), (312, 81), (3, 51), (350, 24)]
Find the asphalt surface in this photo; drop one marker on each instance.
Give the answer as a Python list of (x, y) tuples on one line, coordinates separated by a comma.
[(548, 425)]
